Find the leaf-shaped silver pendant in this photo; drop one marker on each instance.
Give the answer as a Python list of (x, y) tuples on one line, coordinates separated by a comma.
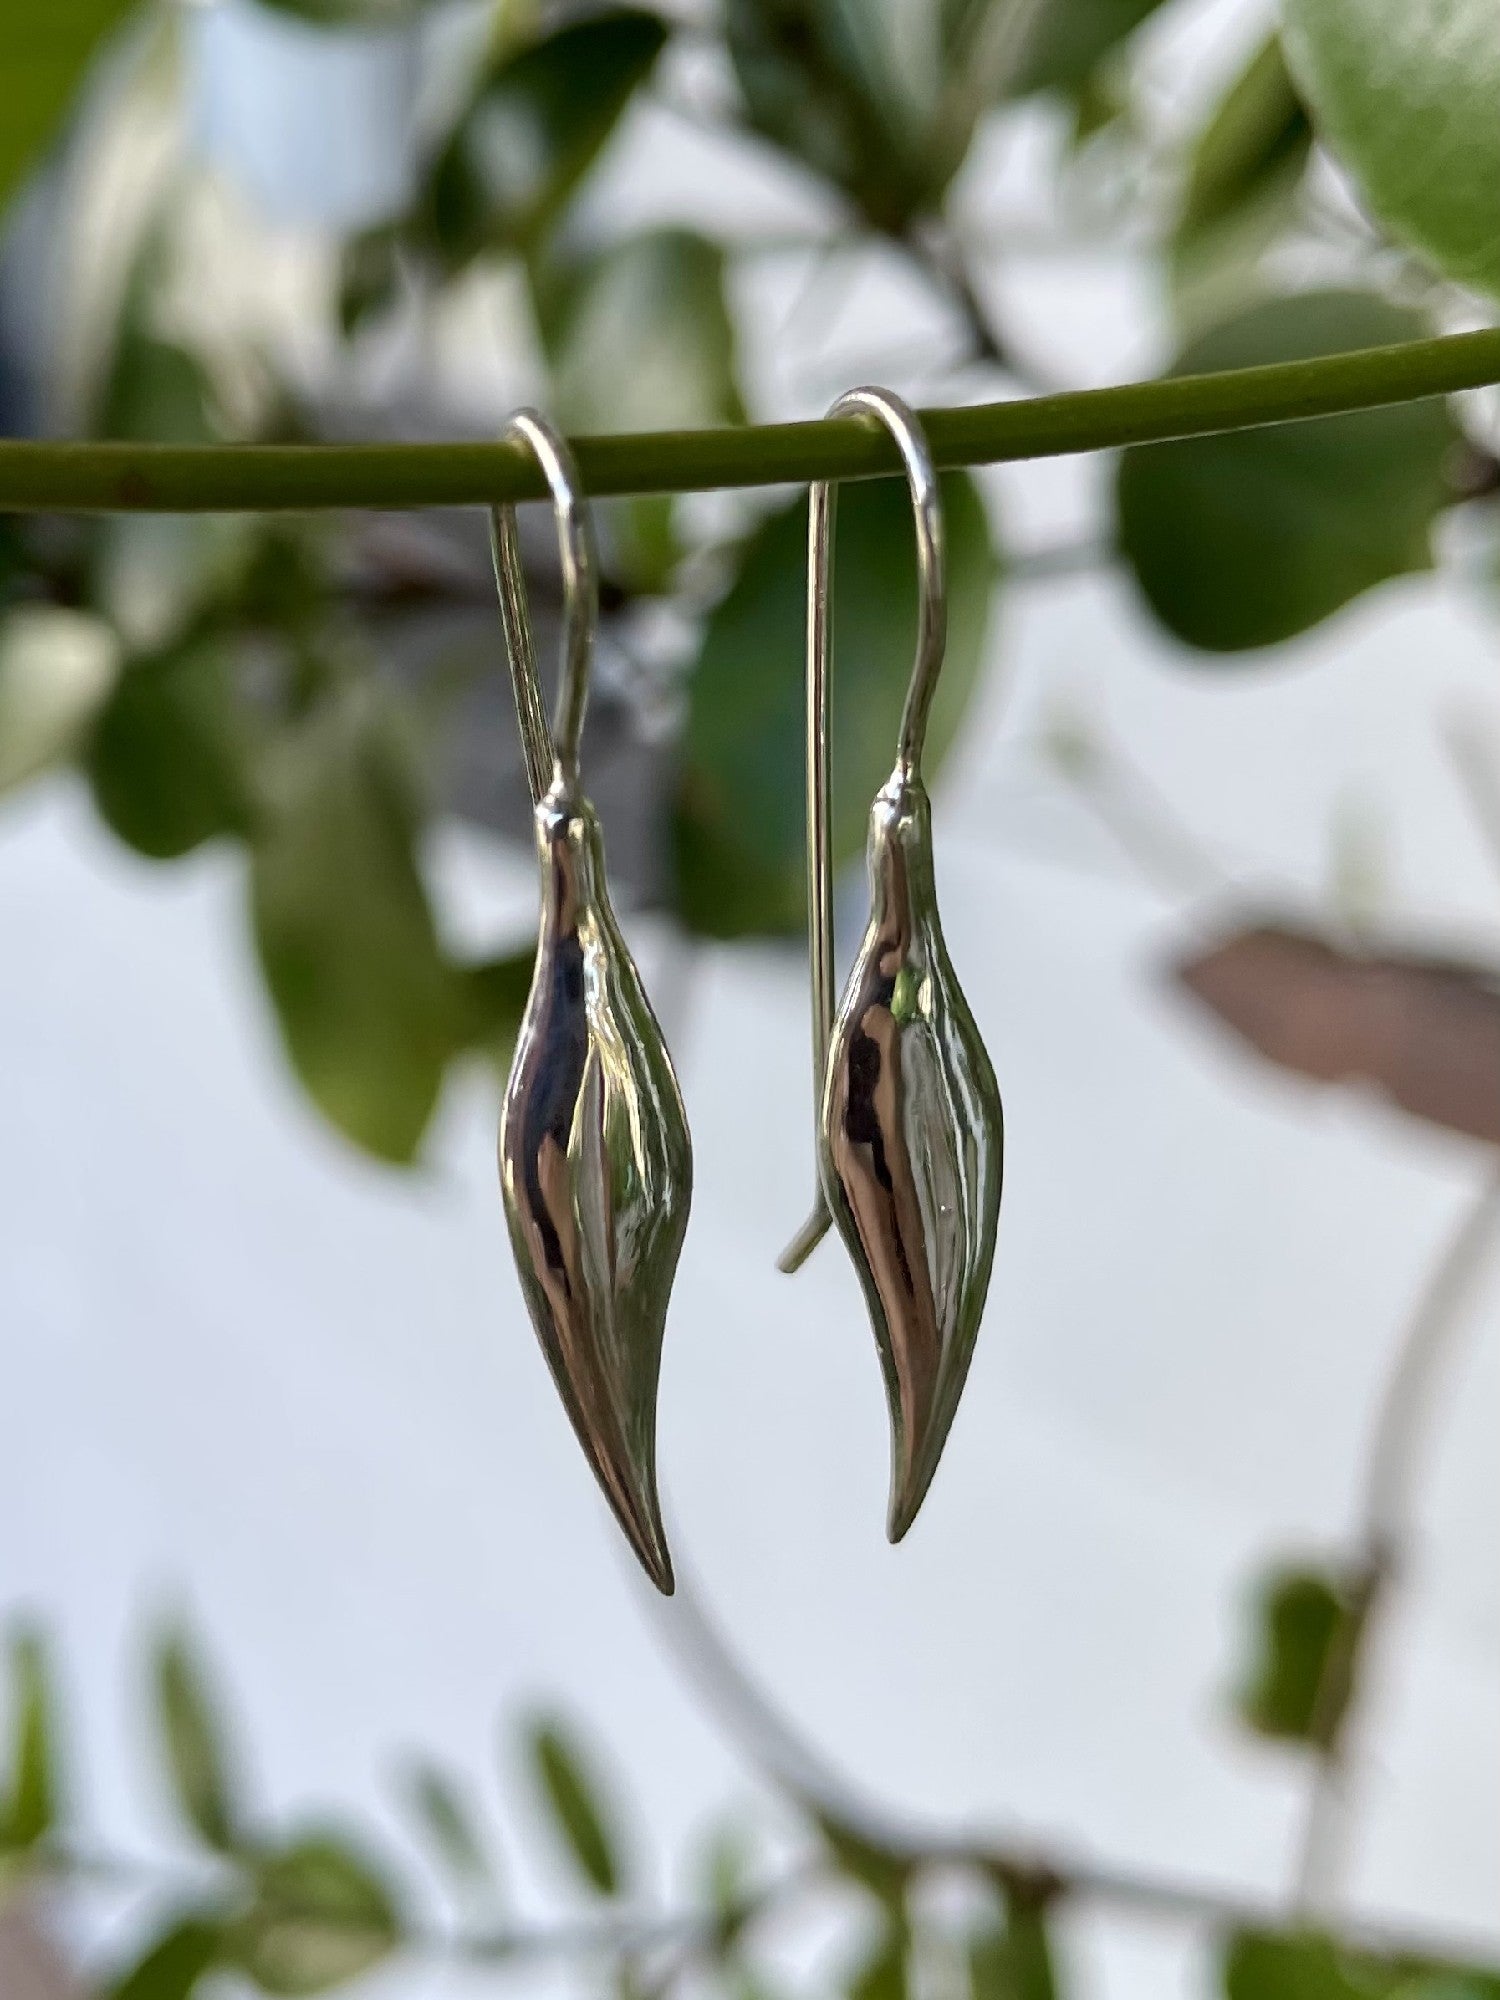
[(912, 1144), (596, 1168)]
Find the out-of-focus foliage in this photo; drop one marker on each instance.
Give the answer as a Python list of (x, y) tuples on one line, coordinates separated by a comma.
[(319, 1914), (346, 935), (1258, 134), (881, 99), (309, 1908), (639, 336), (1244, 176), (441, 1809), (533, 126), (1245, 540), (1404, 91), (212, 686), (193, 1741), (1261, 1965), (29, 1802), (579, 1812), (44, 55), (1307, 1626), (172, 754), (1069, 39)]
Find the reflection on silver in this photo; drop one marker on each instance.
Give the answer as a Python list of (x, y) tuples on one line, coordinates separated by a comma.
[(596, 1165), (910, 1133)]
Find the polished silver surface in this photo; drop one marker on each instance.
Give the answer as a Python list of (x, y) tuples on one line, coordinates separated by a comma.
[(909, 1128), (596, 1164)]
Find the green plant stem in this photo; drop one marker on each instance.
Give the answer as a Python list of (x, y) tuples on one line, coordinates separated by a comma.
[(174, 479)]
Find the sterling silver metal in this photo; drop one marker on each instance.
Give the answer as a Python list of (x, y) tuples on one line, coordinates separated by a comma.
[(596, 1165), (908, 1124)]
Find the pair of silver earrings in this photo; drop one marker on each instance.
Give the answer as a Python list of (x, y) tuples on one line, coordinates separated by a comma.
[(595, 1158)]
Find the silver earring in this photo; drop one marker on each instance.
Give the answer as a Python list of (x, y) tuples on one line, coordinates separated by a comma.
[(596, 1165), (909, 1128)]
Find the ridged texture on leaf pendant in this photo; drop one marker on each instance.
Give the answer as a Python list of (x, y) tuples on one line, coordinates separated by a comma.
[(911, 1146), (597, 1168)]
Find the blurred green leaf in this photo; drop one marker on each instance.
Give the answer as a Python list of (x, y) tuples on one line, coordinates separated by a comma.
[(726, 1879), (639, 337), (44, 53), (322, 1914), (172, 752), (880, 98), (280, 583), (369, 278), (193, 1738), (1306, 1965), (438, 1804), (1241, 541), (172, 1964), (579, 1809), (1264, 1966), (1258, 131), (30, 1806), (739, 813), (1240, 195), (492, 998), (367, 1006), (56, 669), (355, 14), (1303, 1965), (1404, 93), (1298, 1685), (1071, 38), (884, 1874), (150, 574), (539, 117), (157, 391), (883, 1973), (1012, 1959)]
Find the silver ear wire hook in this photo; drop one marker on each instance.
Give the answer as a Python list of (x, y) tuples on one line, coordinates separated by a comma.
[(596, 1166), (909, 1129), (932, 636), (549, 753)]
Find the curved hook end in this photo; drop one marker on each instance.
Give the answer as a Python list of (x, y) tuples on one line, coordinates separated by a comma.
[(807, 1239)]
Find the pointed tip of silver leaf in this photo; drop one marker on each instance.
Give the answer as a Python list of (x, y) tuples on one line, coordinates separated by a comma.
[(633, 1501), (655, 1558), (908, 1491), (660, 1573)]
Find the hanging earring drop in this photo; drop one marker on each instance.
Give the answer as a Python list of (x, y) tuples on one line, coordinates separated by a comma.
[(596, 1165), (909, 1129)]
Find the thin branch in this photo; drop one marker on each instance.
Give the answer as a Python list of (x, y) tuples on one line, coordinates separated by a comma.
[(773, 1743), (605, 1936), (1385, 1526), (95, 477), (797, 1767)]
